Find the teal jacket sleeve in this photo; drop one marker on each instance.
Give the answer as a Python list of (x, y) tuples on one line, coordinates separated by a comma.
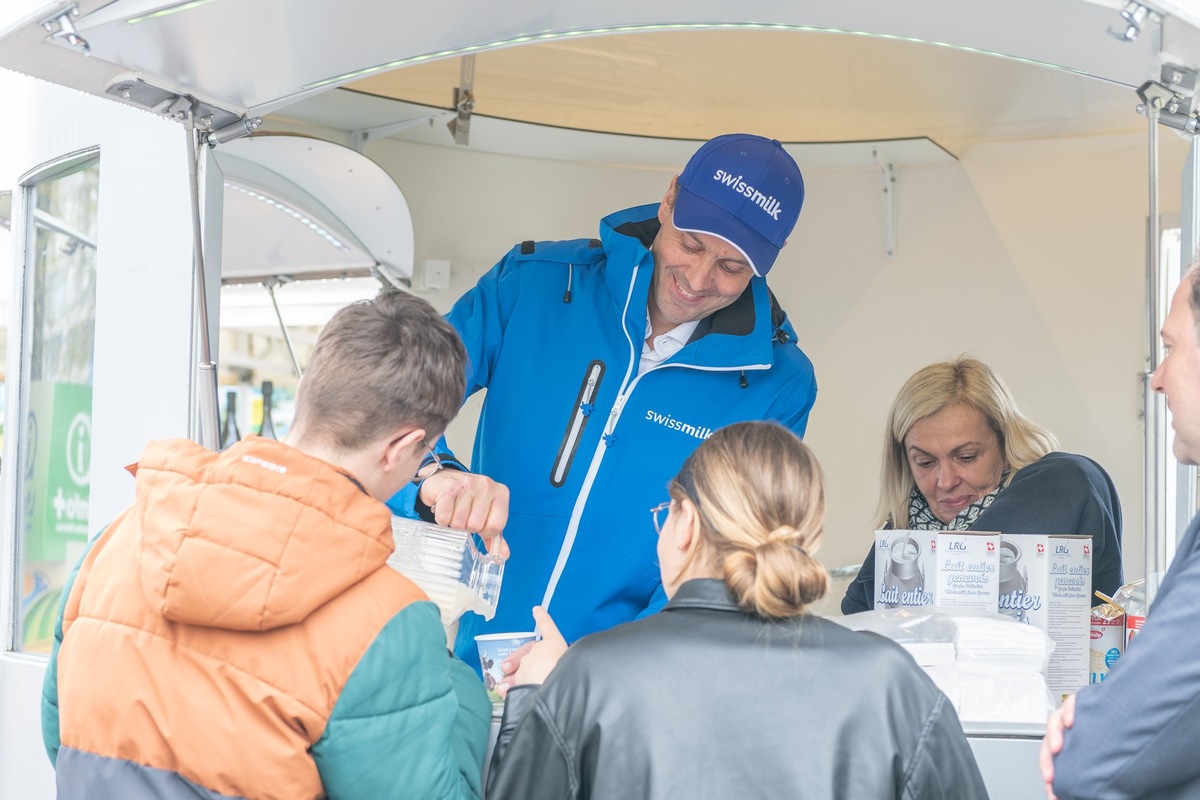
[(50, 729), (411, 721)]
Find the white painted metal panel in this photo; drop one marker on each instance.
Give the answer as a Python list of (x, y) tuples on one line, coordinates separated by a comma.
[(358, 204), (144, 341), (259, 56)]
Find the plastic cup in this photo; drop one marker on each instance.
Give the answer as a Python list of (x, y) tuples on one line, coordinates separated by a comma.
[(493, 649)]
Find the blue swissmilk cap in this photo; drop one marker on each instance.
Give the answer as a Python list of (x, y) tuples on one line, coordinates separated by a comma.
[(744, 189)]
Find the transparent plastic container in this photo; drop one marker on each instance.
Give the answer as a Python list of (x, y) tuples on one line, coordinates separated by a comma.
[(448, 567)]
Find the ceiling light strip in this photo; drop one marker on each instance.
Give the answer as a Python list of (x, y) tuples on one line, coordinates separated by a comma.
[(649, 27), (169, 10), (291, 212)]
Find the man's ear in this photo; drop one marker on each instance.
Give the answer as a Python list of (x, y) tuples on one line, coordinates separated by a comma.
[(400, 446), (668, 202)]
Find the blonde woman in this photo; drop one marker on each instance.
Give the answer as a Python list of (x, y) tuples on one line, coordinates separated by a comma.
[(732, 690), (958, 454)]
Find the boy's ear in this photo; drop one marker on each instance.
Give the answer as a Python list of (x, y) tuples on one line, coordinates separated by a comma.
[(400, 446)]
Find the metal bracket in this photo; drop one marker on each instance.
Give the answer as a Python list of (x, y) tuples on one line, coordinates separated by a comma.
[(1173, 99), (464, 101), (889, 201), (360, 138), (217, 125), (1133, 18), (62, 29)]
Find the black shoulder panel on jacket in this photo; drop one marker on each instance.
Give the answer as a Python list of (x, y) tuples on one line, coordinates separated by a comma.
[(644, 230)]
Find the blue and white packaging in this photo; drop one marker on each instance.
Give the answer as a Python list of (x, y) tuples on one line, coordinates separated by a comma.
[(904, 568), (1046, 581), (967, 565)]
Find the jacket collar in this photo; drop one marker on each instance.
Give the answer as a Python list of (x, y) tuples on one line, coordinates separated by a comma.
[(707, 593)]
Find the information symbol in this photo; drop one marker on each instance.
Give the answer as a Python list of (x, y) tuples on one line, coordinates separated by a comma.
[(79, 449)]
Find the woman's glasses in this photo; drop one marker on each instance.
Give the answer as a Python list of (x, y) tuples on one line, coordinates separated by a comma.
[(656, 512)]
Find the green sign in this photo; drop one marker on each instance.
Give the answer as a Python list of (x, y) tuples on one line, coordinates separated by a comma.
[(58, 436)]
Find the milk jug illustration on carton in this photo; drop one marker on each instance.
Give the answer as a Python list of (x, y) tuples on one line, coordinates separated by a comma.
[(904, 565), (1014, 581), (901, 569)]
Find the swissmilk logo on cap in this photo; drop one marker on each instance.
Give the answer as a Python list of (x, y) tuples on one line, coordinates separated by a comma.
[(767, 203)]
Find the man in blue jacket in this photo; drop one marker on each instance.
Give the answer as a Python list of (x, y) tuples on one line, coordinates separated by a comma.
[(1135, 735), (606, 362)]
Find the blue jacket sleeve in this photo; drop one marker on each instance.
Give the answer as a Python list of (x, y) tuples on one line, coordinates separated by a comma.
[(479, 317), (50, 727), (1135, 734), (412, 720)]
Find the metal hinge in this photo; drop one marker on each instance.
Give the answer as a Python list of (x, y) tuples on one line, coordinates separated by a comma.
[(62, 30), (1173, 97), (217, 125)]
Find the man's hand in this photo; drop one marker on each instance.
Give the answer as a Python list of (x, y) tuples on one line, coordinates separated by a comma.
[(469, 502), (1052, 743), (534, 662)]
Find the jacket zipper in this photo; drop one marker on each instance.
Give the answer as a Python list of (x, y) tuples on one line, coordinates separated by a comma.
[(579, 419), (627, 385)]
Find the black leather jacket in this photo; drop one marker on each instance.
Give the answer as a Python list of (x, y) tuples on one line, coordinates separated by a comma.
[(703, 700)]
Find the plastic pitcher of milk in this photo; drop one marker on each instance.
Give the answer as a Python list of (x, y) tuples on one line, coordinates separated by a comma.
[(448, 567)]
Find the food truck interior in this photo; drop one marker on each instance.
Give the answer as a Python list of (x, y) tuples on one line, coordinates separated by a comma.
[(189, 189)]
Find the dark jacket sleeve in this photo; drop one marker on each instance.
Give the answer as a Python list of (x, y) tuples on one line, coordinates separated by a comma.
[(1064, 493), (529, 761), (860, 594), (943, 766), (1135, 734)]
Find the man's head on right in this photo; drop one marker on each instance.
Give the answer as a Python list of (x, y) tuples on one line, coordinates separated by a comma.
[(379, 365), (1178, 375), (724, 220)]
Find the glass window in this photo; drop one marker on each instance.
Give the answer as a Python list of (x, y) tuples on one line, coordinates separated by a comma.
[(58, 340)]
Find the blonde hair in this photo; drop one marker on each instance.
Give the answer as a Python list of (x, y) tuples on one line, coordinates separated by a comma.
[(966, 381), (760, 497)]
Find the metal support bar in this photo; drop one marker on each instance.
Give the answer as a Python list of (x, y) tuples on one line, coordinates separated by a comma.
[(207, 420), (270, 285), (1157, 551), (234, 130), (464, 101), (889, 202), (360, 138)]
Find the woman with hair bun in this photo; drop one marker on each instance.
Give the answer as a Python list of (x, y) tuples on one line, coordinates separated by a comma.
[(733, 689)]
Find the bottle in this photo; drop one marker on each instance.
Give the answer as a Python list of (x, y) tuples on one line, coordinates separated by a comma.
[(229, 430), (448, 567), (267, 429)]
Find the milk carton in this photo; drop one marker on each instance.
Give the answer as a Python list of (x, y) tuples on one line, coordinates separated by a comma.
[(967, 565), (1046, 581), (903, 568)]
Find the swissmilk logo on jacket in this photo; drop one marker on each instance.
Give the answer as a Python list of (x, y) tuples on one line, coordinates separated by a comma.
[(667, 421), (767, 203)]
